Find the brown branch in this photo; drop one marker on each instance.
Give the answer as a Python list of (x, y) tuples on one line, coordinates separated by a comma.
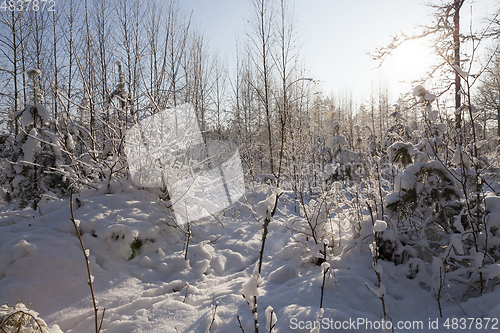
[(97, 327)]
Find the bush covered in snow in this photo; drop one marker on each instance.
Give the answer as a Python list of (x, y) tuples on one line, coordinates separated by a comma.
[(22, 319), (36, 160)]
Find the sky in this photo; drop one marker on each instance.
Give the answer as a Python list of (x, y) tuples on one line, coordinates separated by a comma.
[(335, 37)]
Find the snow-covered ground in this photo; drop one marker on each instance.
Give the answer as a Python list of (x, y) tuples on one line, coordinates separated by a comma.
[(145, 284)]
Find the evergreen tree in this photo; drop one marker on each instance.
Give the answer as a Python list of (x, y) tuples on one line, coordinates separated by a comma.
[(37, 160)]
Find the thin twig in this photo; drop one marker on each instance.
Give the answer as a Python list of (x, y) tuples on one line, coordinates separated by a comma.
[(185, 296), (188, 236), (239, 322), (97, 327), (271, 325), (214, 312), (264, 234)]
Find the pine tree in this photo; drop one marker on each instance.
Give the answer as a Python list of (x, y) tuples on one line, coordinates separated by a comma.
[(37, 160)]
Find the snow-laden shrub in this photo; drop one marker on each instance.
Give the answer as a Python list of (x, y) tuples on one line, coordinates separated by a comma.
[(399, 132), (404, 154), (426, 191), (21, 319), (127, 242), (336, 216), (344, 163), (373, 144), (37, 156)]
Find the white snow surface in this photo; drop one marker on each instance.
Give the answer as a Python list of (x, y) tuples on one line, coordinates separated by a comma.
[(460, 71), (461, 157), (265, 207), (27, 117), (441, 128), (152, 288), (338, 140), (42, 112), (379, 226), (433, 115), (31, 147), (419, 90)]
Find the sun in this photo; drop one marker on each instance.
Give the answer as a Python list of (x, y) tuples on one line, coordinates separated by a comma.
[(410, 61)]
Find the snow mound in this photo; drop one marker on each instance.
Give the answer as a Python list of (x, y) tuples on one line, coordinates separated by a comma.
[(283, 274)]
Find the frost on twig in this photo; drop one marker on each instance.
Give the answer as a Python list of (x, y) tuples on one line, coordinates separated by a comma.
[(86, 253), (271, 318), (378, 227), (250, 291)]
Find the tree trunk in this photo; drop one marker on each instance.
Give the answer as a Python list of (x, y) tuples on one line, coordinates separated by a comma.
[(456, 44)]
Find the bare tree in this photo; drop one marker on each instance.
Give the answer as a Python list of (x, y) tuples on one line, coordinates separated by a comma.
[(219, 98), (487, 97), (130, 15), (178, 28), (199, 79), (285, 59), (445, 29), (244, 104), (11, 40), (261, 42)]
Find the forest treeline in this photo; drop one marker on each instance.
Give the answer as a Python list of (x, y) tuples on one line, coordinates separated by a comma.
[(75, 79)]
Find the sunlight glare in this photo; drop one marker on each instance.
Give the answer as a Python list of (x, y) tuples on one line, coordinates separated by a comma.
[(410, 61)]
